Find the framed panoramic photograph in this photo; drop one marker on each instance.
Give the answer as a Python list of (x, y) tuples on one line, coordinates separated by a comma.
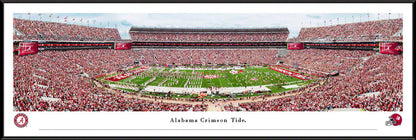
[(238, 70)]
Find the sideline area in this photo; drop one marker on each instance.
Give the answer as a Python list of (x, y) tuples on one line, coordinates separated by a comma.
[(212, 106), (222, 90)]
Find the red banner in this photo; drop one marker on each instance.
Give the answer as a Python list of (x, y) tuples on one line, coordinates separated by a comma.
[(122, 46), (294, 46), (118, 77), (291, 73), (389, 48), (26, 48)]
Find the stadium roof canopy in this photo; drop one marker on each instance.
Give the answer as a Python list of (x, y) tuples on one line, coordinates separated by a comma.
[(139, 29)]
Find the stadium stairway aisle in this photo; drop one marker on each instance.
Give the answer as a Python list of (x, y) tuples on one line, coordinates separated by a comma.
[(213, 107)]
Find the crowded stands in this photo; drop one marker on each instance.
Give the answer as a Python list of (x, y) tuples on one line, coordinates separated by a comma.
[(326, 60), (377, 73), (382, 30), (60, 81), (48, 31), (213, 56), (208, 35), (64, 77)]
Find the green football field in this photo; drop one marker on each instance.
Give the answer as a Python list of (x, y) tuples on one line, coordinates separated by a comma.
[(253, 76), (250, 76)]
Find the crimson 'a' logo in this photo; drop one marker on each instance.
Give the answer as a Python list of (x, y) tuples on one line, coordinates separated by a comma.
[(21, 120)]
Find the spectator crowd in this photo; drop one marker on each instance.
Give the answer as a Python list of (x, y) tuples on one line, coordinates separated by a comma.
[(325, 60), (209, 37), (377, 73), (382, 30), (60, 81), (212, 56), (54, 31)]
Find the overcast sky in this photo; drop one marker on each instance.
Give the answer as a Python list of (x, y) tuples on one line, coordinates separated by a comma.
[(123, 22)]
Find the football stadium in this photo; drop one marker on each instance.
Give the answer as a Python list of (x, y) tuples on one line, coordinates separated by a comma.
[(59, 66)]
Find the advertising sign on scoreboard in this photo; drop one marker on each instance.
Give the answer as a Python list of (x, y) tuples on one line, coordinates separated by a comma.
[(389, 48), (26, 48), (294, 46), (122, 46)]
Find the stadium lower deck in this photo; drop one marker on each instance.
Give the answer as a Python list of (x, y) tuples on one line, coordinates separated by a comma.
[(65, 80)]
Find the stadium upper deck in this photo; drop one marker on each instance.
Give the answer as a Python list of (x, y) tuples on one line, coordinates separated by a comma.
[(209, 35), (54, 31), (381, 30)]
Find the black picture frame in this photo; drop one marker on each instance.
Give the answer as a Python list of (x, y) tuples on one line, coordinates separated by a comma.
[(194, 1)]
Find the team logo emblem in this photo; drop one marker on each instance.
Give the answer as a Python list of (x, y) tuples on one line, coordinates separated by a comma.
[(394, 120), (21, 120)]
